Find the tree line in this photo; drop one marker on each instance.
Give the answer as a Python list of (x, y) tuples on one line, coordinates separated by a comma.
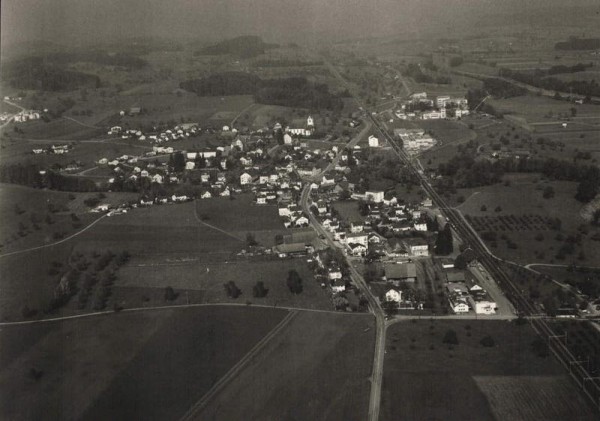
[(541, 79)]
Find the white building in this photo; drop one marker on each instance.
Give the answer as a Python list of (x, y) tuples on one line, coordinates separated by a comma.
[(393, 295), (373, 142)]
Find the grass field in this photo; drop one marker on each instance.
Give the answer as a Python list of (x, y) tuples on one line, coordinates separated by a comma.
[(205, 281), (348, 210), (117, 367), (425, 379), (539, 108), (317, 369)]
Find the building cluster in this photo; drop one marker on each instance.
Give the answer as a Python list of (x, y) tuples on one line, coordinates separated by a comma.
[(54, 149), (464, 289), (419, 106), (415, 140)]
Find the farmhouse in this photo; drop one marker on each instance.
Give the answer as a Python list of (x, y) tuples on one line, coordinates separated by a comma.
[(393, 295), (417, 246), (458, 305), (290, 249)]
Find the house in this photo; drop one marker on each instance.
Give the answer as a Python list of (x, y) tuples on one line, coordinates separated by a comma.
[(373, 142), (417, 246), (322, 206), (338, 285), (358, 238), (356, 226), (374, 196), (157, 178), (357, 249), (458, 305), (291, 249), (420, 226), (447, 263), (206, 195), (400, 272), (245, 179), (225, 192), (301, 221), (287, 139), (334, 273), (190, 165), (393, 295)]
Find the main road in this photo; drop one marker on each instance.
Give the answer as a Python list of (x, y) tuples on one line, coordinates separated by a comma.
[(493, 265)]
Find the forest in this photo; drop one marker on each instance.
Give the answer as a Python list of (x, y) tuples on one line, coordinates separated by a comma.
[(290, 92)]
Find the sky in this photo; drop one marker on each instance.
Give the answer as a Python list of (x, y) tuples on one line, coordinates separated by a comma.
[(75, 22)]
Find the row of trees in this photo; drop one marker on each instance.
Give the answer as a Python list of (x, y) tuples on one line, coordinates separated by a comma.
[(540, 79)]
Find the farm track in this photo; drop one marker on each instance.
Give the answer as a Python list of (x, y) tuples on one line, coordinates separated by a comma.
[(212, 226), (237, 368), (170, 307), (64, 240)]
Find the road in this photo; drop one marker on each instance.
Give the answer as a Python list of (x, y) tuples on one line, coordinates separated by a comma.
[(375, 307), (492, 264)]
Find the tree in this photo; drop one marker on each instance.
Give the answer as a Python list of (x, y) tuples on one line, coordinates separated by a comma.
[(259, 290), (487, 341), (278, 239), (450, 337), (390, 307), (294, 282), (250, 240), (170, 294), (443, 245), (460, 262), (483, 208), (232, 290), (340, 302)]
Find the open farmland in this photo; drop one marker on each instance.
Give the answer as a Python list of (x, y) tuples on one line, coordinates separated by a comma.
[(328, 356), (426, 379), (95, 369), (204, 281)]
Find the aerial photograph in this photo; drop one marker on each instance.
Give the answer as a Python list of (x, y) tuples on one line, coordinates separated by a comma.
[(290, 210)]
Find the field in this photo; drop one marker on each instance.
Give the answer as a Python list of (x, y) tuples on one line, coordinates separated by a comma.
[(317, 369), (539, 108), (525, 223), (426, 379), (204, 282), (32, 217), (348, 210), (96, 369)]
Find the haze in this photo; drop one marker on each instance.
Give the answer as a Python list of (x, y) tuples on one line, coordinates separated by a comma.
[(76, 22)]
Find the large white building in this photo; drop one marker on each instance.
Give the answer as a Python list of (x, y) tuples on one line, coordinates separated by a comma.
[(373, 142)]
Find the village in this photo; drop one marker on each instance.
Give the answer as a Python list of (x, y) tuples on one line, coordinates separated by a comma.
[(275, 165)]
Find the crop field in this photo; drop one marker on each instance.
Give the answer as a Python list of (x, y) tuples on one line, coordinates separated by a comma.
[(95, 369), (425, 378), (328, 356), (583, 340), (531, 398), (587, 75)]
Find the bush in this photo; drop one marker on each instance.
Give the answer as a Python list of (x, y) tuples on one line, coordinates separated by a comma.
[(450, 337), (232, 290), (170, 294)]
